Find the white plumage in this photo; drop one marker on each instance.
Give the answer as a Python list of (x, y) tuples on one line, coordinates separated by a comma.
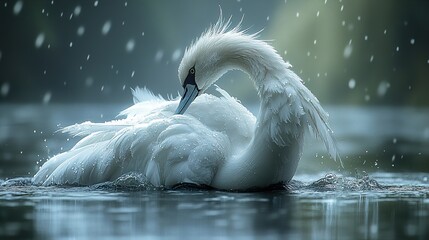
[(217, 142)]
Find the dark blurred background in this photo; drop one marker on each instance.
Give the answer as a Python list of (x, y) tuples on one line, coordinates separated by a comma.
[(367, 62), (348, 52)]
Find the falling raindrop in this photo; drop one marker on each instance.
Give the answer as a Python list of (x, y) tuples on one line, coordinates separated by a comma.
[(397, 49), (158, 56), (80, 30), (348, 51), (297, 14), (71, 44), (106, 27), (412, 41), (89, 81), (95, 3), (318, 13), (352, 83), (17, 7), (371, 58), (366, 38), (382, 88), (5, 87), (367, 98), (176, 55), (132, 74), (39, 40), (77, 10), (129, 47), (47, 97)]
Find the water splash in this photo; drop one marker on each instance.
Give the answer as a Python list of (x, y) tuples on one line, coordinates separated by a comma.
[(332, 182)]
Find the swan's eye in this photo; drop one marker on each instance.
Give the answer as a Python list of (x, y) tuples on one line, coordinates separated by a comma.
[(192, 71)]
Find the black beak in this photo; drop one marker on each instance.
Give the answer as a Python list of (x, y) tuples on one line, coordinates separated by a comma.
[(191, 92)]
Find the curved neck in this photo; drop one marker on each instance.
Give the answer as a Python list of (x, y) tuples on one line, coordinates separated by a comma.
[(273, 154)]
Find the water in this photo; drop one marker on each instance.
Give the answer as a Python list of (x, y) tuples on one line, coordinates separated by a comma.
[(364, 200)]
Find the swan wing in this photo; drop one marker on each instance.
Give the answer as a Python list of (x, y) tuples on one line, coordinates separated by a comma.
[(168, 149)]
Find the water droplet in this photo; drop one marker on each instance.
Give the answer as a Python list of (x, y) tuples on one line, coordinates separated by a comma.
[(268, 18), (77, 10), (358, 18), (318, 13), (95, 3), (397, 49), (17, 7), (87, 57), (371, 58), (132, 74), (129, 47), (315, 41), (106, 27), (352, 83), (382, 88), (367, 98), (158, 56), (71, 44), (297, 14), (102, 88), (394, 141), (366, 37), (412, 41), (5, 87), (393, 157), (47, 97), (80, 30), (348, 51), (89, 81), (342, 8), (39, 40)]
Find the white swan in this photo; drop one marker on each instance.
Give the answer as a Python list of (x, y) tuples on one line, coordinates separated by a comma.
[(217, 142)]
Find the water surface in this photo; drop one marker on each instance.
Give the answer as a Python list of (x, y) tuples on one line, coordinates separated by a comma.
[(376, 195)]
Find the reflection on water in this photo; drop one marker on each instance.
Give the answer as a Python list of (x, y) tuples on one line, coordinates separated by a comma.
[(303, 213), (379, 205)]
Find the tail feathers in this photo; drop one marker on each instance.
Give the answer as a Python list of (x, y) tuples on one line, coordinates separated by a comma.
[(316, 117), (317, 120)]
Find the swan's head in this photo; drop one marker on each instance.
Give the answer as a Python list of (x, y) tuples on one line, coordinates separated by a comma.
[(207, 59)]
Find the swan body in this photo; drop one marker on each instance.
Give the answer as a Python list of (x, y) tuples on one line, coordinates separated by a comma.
[(202, 139)]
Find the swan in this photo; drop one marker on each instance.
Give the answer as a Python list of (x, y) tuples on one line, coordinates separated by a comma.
[(200, 138)]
